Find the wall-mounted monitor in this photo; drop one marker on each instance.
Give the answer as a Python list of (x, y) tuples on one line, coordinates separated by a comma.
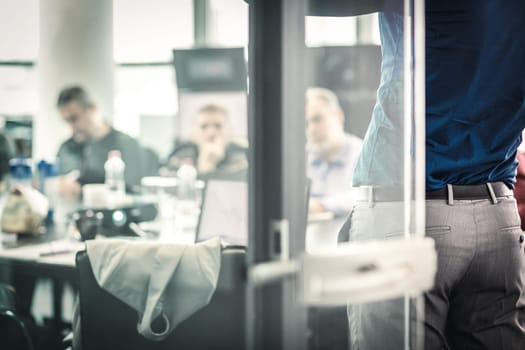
[(210, 69)]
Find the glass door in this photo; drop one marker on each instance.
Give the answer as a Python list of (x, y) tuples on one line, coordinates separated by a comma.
[(337, 258)]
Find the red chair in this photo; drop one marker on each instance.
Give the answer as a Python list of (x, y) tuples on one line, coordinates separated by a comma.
[(519, 190)]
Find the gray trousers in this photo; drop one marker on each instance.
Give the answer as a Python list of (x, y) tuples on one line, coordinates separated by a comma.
[(478, 301)]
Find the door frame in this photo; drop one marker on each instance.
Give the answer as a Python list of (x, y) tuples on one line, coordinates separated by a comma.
[(277, 176)]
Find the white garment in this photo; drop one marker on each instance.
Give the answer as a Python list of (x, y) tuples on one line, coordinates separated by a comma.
[(157, 279)]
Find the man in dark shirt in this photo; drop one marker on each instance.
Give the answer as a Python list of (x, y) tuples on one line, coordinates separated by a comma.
[(475, 112), (211, 151), (81, 158)]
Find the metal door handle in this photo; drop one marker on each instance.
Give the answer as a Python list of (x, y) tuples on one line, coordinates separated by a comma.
[(356, 272)]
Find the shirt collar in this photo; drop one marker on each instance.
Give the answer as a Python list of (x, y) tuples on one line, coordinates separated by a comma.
[(339, 160)]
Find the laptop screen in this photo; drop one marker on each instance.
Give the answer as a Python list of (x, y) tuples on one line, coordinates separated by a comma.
[(224, 212)]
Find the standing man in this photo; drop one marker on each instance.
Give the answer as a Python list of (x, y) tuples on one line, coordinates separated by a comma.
[(81, 158), (331, 153), (475, 112)]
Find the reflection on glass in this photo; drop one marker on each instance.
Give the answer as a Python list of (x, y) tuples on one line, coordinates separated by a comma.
[(363, 181), (379, 179), (331, 157)]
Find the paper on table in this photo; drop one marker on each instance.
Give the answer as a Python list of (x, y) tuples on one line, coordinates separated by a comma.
[(63, 259)]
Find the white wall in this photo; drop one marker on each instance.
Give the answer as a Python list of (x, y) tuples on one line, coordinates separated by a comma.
[(76, 47)]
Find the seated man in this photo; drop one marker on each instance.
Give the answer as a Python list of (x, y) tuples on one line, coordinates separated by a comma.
[(81, 158), (331, 153), (211, 152)]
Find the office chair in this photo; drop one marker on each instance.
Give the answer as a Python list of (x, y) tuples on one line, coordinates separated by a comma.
[(13, 332), (108, 323)]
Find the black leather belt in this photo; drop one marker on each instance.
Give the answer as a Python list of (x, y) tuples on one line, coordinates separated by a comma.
[(459, 192), (450, 192)]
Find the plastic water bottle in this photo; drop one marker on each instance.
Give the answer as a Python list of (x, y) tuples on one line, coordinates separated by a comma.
[(115, 181), (186, 178), (186, 207), (48, 185)]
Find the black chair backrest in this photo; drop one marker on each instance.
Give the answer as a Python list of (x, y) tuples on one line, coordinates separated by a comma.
[(108, 323), (13, 332)]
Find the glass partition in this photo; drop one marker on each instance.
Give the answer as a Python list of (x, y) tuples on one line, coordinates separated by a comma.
[(361, 111), (302, 154), (364, 125)]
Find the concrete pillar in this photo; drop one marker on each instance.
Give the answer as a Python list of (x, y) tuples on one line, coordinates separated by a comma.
[(76, 47)]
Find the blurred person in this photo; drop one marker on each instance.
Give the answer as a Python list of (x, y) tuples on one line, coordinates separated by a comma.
[(331, 153), (81, 158), (22, 283), (211, 151)]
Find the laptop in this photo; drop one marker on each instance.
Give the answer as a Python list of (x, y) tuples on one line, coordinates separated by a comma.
[(224, 212)]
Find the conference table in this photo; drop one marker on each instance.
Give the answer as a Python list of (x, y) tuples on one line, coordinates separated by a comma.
[(52, 254), (42, 256)]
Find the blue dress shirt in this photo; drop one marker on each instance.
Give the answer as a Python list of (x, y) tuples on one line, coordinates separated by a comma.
[(475, 95)]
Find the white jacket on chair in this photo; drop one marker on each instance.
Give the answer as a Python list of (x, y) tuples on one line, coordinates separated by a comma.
[(169, 280)]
